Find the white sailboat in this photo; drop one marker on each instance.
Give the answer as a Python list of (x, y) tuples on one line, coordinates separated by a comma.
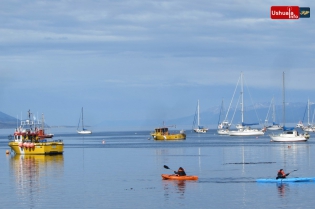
[(223, 127), (274, 125), (310, 127), (243, 128), (83, 131), (199, 129), (288, 134)]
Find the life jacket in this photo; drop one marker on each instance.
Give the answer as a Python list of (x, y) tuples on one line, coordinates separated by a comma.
[(281, 173)]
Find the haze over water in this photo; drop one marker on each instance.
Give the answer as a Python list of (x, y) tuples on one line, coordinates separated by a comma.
[(125, 172)]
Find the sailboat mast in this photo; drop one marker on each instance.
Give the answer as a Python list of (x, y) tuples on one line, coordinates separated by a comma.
[(308, 112), (82, 119), (283, 104), (198, 112), (242, 96), (273, 110), (43, 121)]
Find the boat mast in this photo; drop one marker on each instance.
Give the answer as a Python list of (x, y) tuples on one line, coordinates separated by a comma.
[(43, 121), (242, 96), (308, 111), (273, 111), (82, 120), (283, 104), (198, 113)]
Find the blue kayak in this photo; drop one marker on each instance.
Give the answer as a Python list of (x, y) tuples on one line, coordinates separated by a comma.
[(296, 179)]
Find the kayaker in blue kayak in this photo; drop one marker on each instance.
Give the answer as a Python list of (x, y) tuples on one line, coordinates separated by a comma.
[(281, 174), (180, 172)]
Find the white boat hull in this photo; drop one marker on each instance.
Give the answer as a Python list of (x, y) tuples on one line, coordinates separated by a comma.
[(289, 136), (84, 132), (223, 131), (309, 129), (274, 128), (197, 130), (246, 132)]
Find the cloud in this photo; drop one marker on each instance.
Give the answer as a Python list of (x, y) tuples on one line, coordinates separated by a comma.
[(79, 52)]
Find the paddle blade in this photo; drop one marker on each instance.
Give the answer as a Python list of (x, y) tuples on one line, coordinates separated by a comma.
[(287, 174), (165, 166)]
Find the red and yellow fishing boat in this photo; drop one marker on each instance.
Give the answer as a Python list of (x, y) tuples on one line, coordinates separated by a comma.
[(30, 139)]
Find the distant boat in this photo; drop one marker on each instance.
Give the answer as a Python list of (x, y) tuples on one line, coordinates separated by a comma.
[(224, 126), (244, 129), (274, 126), (83, 130), (163, 133), (199, 129), (42, 131), (310, 126), (288, 134)]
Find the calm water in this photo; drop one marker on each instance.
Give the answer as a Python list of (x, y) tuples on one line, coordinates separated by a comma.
[(124, 172)]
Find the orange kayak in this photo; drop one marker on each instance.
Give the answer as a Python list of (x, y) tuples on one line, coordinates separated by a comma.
[(175, 177)]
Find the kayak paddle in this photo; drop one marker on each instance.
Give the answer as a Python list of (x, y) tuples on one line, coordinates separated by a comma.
[(290, 172), (165, 166)]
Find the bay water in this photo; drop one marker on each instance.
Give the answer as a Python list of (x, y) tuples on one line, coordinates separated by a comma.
[(123, 170)]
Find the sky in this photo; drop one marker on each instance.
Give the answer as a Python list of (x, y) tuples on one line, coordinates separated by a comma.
[(128, 60)]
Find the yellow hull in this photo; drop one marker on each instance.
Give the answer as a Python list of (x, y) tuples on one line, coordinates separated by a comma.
[(169, 137), (44, 148)]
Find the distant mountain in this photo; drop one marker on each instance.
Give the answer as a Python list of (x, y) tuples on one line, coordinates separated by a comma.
[(256, 113), (295, 112), (7, 121)]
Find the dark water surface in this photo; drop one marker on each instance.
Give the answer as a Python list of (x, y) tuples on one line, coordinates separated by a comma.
[(123, 170)]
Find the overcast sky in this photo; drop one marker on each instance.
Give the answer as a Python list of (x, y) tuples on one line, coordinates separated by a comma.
[(131, 59)]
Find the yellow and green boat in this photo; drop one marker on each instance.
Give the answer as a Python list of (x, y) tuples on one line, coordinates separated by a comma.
[(164, 134)]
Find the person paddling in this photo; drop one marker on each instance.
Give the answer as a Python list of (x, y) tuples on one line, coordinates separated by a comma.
[(180, 172), (281, 174)]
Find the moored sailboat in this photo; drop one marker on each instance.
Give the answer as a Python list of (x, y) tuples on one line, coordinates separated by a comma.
[(244, 129), (274, 126), (310, 126), (224, 126), (288, 134), (199, 129), (83, 130)]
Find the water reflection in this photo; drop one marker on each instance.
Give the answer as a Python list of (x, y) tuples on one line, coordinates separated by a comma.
[(31, 173), (282, 188), (174, 186)]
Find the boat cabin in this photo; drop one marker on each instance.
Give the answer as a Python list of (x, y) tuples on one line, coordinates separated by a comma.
[(162, 131)]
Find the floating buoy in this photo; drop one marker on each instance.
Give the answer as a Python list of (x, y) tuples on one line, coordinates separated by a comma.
[(103, 142), (20, 144), (24, 144), (32, 145), (7, 152), (289, 146)]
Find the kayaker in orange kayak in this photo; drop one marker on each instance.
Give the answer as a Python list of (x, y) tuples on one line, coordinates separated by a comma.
[(281, 174), (180, 172)]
